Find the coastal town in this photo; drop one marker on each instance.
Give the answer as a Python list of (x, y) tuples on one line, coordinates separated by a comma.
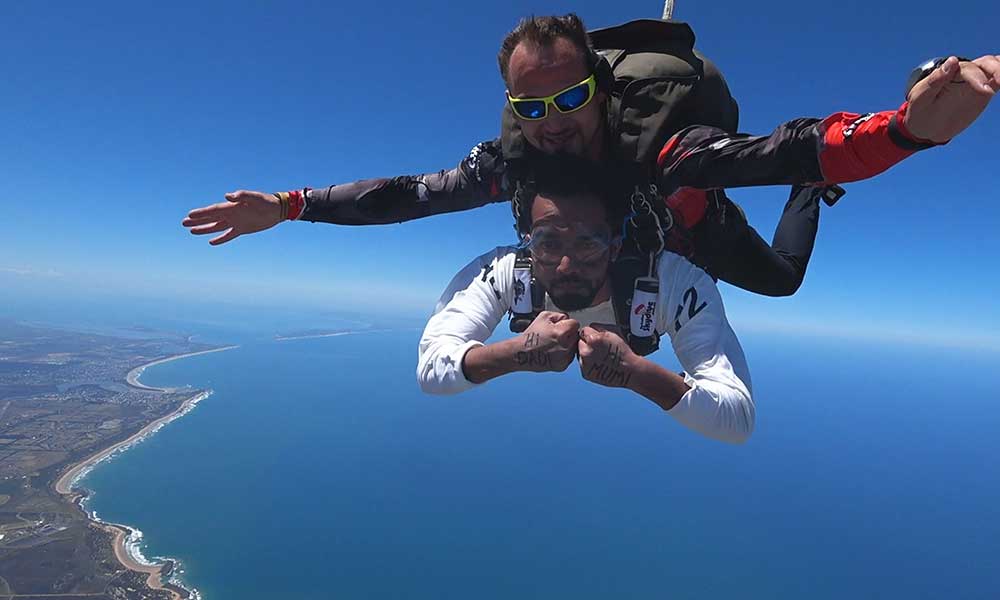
[(68, 400)]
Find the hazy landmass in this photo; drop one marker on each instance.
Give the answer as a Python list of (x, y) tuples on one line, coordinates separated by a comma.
[(301, 334)]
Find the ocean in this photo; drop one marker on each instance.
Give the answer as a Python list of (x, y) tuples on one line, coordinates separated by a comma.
[(317, 469)]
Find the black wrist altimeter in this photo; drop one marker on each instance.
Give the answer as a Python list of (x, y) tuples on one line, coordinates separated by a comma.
[(925, 69)]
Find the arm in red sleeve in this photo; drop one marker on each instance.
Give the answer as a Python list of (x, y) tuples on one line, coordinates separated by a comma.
[(843, 147), (856, 147)]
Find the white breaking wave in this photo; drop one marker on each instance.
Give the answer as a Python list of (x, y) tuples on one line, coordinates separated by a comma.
[(117, 450), (134, 537)]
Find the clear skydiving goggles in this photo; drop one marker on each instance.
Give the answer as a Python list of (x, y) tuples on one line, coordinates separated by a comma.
[(585, 244), (565, 101)]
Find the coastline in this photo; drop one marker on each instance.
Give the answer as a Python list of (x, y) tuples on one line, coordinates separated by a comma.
[(66, 482), (133, 376), (126, 539), (312, 336)]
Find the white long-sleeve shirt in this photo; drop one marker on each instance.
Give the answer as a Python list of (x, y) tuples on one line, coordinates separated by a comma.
[(689, 310)]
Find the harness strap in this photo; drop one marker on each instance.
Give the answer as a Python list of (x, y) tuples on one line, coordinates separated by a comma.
[(529, 295)]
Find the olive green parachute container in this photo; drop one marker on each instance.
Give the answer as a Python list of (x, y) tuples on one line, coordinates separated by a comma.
[(661, 85)]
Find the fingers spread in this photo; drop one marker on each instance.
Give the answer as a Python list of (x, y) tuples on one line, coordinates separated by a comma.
[(189, 222), (226, 237), (212, 228), (211, 211)]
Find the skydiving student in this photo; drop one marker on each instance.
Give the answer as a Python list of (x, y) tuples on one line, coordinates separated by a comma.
[(565, 98), (572, 216)]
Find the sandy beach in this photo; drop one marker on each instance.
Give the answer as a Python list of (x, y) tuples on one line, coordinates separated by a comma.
[(64, 485), (312, 336), (133, 376), (154, 572)]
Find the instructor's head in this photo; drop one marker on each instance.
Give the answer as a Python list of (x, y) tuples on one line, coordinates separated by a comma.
[(574, 221), (546, 64)]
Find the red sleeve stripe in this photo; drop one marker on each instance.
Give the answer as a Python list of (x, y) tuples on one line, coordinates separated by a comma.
[(667, 149), (856, 147)]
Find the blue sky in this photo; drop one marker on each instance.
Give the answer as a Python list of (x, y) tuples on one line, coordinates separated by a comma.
[(118, 118)]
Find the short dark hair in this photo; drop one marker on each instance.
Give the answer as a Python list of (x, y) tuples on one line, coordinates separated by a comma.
[(571, 175), (543, 31)]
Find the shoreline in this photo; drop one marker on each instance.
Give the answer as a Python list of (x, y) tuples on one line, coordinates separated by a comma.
[(312, 336), (133, 376), (125, 538), (64, 485)]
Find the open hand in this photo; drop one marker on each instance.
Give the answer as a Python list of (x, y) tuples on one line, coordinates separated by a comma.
[(243, 212), (951, 98)]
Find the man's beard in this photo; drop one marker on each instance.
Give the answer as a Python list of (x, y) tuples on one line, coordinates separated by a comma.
[(580, 297)]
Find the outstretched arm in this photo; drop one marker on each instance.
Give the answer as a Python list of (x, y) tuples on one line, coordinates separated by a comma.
[(841, 148), (478, 180)]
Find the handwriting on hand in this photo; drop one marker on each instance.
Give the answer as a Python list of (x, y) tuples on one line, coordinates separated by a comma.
[(609, 370)]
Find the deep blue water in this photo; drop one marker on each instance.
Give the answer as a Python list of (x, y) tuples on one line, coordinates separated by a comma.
[(318, 470)]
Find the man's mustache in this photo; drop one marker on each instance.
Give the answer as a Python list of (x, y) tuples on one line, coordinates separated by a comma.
[(570, 280)]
